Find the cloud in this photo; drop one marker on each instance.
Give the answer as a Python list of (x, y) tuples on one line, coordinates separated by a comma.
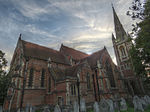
[(33, 9), (83, 25)]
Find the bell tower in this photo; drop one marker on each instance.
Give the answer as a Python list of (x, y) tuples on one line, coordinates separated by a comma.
[(122, 44)]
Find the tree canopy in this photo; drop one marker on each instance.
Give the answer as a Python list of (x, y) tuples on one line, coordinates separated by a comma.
[(4, 78), (3, 63), (140, 52)]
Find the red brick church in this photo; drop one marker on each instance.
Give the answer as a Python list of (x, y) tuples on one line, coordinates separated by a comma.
[(43, 76)]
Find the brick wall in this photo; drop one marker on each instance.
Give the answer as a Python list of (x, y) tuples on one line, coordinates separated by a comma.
[(34, 97)]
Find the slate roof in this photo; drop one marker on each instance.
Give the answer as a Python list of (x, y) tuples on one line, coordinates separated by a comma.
[(76, 55), (57, 73), (41, 52), (92, 59), (72, 71), (62, 74)]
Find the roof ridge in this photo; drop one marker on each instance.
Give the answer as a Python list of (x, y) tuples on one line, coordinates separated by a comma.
[(43, 52), (76, 65), (73, 49), (39, 45), (98, 51)]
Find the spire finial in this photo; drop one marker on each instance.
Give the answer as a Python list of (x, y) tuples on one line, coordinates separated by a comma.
[(112, 5), (20, 36), (105, 47)]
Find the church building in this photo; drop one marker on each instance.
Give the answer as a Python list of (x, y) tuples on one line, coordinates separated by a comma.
[(43, 76), (122, 44)]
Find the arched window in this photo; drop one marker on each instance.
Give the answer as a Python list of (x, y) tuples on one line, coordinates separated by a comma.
[(73, 89), (42, 78), (109, 73), (102, 85), (122, 50), (88, 81), (49, 84), (31, 77)]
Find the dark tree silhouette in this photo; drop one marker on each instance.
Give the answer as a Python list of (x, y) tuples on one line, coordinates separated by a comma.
[(4, 78)]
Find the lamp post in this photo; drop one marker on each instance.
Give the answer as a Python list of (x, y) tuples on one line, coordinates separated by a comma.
[(78, 86)]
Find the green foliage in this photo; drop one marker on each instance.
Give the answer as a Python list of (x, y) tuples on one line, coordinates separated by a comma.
[(148, 109), (4, 78), (3, 63), (140, 52), (38, 111), (136, 11), (90, 110), (147, 9), (138, 67), (130, 109), (143, 38)]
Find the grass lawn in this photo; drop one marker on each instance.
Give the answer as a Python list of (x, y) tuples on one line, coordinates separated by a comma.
[(130, 109)]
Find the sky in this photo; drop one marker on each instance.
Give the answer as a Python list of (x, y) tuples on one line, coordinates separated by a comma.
[(85, 25)]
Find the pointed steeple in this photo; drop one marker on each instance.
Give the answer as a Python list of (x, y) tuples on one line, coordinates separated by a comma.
[(105, 47), (119, 30), (20, 36)]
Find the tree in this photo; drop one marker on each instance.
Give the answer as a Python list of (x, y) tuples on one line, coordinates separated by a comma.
[(136, 11), (4, 78), (3, 63), (140, 52)]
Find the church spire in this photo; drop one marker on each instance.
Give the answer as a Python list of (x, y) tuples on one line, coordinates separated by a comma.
[(119, 30)]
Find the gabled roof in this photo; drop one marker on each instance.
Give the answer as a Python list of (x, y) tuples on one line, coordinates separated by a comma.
[(72, 71), (57, 73), (41, 52), (75, 54), (92, 59), (62, 74)]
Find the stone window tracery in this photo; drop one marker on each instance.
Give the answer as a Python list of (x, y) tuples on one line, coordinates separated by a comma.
[(102, 86), (31, 77), (73, 89), (122, 50), (109, 73), (42, 78), (49, 84), (88, 81)]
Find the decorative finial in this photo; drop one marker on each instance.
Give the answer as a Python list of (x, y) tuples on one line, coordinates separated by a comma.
[(49, 62), (104, 47), (112, 7), (20, 36), (112, 4)]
